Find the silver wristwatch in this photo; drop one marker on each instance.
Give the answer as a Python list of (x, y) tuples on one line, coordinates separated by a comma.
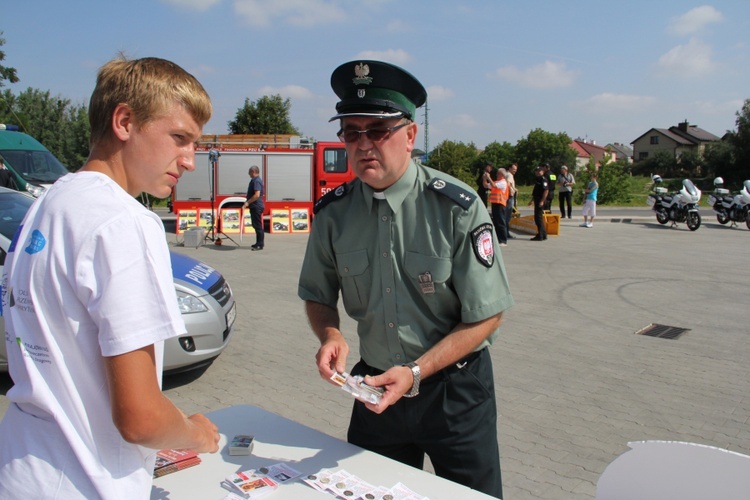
[(417, 377)]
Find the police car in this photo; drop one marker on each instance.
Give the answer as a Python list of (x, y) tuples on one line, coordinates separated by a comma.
[(204, 297)]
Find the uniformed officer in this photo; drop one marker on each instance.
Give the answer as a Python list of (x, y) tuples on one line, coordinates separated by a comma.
[(539, 198), (551, 182), (412, 252)]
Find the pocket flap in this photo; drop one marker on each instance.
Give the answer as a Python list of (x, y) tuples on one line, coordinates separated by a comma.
[(352, 263), (418, 264)]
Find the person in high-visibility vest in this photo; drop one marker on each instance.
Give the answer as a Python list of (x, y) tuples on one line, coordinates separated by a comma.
[(498, 200), (551, 181)]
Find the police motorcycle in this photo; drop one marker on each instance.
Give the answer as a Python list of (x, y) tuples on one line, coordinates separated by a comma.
[(728, 207), (681, 206)]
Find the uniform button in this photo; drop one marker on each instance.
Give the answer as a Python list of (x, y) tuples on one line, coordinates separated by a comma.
[(390, 325), (385, 218), (385, 254), (346, 269), (398, 356), (387, 290)]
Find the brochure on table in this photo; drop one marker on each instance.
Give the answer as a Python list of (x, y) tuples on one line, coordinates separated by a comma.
[(277, 439)]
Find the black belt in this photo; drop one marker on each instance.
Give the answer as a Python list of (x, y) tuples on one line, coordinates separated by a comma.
[(445, 372)]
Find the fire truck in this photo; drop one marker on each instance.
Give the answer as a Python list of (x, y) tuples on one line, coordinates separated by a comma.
[(296, 172)]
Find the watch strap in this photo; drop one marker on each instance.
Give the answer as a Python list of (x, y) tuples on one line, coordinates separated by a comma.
[(417, 374)]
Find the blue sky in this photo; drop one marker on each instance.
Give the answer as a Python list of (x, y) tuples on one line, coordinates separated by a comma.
[(494, 69)]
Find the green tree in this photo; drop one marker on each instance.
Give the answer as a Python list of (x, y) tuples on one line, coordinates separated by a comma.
[(690, 164), (717, 157), (75, 147), (455, 158), (497, 154), (61, 127), (267, 115), (661, 163), (614, 183), (739, 169), (540, 147), (6, 73)]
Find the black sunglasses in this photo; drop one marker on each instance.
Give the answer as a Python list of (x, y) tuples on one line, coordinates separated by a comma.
[(374, 134)]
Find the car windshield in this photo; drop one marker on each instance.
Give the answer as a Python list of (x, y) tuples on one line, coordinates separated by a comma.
[(35, 166), (13, 208)]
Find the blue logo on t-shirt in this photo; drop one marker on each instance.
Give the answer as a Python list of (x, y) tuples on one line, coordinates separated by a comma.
[(36, 242)]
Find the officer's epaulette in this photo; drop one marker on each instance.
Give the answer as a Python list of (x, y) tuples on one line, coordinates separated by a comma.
[(331, 196), (463, 197)]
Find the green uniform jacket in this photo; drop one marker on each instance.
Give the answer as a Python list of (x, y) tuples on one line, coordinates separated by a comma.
[(409, 267)]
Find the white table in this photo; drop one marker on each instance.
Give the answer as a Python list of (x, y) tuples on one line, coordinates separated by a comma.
[(278, 439)]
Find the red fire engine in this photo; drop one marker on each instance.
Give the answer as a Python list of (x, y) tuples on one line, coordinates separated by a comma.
[(295, 174)]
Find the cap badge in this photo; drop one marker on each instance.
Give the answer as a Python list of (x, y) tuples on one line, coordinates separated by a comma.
[(360, 93), (361, 71)]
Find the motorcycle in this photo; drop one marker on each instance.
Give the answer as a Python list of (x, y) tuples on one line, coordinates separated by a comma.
[(730, 208), (681, 206)]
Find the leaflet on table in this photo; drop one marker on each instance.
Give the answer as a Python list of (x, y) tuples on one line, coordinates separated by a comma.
[(345, 485), (254, 483), (355, 385), (168, 461)]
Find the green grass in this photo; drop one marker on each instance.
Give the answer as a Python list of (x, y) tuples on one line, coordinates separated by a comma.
[(640, 187)]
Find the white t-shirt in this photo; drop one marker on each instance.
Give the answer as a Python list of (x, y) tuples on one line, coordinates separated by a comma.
[(88, 275)]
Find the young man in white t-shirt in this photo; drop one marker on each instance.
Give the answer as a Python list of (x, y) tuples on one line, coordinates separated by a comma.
[(88, 300)]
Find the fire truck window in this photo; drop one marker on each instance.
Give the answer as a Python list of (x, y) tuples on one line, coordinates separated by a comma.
[(334, 160)]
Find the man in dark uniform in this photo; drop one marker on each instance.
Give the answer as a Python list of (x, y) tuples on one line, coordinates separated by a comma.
[(551, 181), (6, 176), (255, 202), (411, 252), (539, 198), (485, 179)]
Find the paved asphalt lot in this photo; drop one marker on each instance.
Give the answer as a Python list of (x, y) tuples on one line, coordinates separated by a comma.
[(574, 383)]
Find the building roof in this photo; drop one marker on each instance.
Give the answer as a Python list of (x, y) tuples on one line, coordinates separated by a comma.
[(684, 134), (586, 149), (622, 150)]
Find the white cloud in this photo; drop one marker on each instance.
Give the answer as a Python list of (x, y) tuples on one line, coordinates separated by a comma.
[(547, 75), (692, 59), (694, 20), (395, 56), (292, 12), (199, 5), (607, 102), (438, 93), (291, 91), (464, 121), (398, 26), (717, 108)]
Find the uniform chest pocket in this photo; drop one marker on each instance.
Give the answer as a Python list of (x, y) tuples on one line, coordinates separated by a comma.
[(428, 272), (356, 280)]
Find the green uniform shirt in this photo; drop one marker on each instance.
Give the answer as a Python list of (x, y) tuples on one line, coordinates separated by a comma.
[(410, 267)]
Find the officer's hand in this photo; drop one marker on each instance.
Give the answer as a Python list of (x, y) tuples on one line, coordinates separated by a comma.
[(332, 356), (397, 381)]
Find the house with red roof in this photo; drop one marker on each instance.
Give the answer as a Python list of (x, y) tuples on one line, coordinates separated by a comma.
[(586, 150)]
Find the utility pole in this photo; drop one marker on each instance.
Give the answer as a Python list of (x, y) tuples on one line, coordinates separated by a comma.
[(426, 128)]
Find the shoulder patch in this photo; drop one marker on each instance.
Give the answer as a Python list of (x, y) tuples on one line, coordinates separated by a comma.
[(331, 196), (482, 243), (459, 195)]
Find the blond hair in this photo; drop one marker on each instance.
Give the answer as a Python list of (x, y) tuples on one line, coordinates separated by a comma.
[(149, 87)]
